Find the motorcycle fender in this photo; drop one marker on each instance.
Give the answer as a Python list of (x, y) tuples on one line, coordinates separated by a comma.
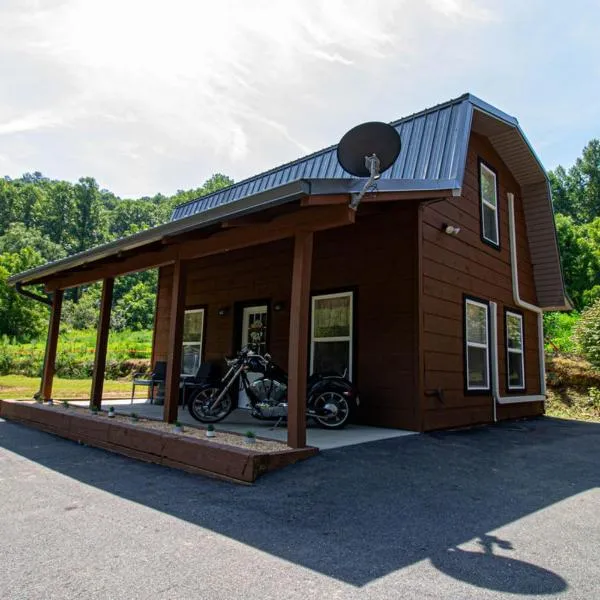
[(322, 385)]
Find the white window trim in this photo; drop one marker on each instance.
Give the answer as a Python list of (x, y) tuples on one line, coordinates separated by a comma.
[(486, 203), (201, 342), (486, 346), (348, 338), (520, 351)]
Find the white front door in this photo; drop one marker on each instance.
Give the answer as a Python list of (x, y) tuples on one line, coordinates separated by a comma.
[(254, 335)]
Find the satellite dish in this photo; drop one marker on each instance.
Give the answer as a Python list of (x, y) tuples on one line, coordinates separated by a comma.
[(368, 150), (365, 140)]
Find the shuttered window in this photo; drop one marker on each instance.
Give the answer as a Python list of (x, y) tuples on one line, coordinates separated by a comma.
[(477, 351), (515, 362), (488, 192)]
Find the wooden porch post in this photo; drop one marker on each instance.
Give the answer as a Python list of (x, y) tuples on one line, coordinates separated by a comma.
[(101, 343), (175, 341), (298, 349), (51, 344)]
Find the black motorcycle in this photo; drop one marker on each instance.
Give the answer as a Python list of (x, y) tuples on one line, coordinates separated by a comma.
[(331, 398)]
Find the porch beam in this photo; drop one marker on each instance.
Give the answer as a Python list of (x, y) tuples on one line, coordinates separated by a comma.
[(284, 226), (101, 343), (51, 346), (137, 262), (298, 339), (175, 341), (314, 219)]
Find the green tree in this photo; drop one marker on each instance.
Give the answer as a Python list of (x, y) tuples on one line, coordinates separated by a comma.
[(60, 215), (20, 318), (18, 237), (9, 204), (580, 259), (135, 310), (576, 192), (131, 216), (89, 226)]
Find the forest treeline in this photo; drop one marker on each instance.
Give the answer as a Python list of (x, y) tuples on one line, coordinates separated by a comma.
[(43, 220)]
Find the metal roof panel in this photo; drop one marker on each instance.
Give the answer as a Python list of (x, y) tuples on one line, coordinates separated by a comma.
[(432, 145)]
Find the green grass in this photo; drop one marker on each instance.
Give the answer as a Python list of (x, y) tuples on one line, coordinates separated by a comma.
[(20, 387), (128, 351)]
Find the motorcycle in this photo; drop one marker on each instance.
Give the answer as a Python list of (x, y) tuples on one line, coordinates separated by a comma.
[(331, 398)]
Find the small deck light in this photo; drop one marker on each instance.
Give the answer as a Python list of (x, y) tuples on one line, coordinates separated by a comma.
[(450, 229)]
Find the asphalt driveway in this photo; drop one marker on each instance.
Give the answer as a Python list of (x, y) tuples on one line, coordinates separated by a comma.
[(493, 512)]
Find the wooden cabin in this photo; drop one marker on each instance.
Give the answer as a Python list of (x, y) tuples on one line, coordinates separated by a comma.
[(429, 296)]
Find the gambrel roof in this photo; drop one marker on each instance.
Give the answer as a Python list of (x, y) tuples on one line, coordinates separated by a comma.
[(432, 159)]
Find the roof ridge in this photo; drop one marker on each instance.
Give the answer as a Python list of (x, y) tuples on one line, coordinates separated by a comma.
[(461, 98)]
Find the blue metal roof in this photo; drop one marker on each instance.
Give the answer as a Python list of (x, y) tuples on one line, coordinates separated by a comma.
[(433, 154)]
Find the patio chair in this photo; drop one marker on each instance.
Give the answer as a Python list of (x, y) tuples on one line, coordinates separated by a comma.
[(157, 378)]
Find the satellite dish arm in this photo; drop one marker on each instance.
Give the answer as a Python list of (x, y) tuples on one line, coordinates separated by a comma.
[(373, 164)]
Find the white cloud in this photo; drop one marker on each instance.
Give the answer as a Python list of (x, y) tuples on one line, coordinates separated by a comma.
[(29, 123), (154, 96)]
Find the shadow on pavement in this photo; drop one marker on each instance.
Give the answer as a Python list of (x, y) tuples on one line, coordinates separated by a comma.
[(500, 573), (361, 512)]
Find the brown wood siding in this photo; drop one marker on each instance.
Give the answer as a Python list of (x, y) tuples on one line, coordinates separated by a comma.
[(454, 266), (376, 258)]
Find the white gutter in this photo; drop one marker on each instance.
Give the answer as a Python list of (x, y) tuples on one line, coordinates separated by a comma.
[(525, 306)]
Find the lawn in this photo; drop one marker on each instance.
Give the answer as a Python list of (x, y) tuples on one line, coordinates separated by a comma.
[(23, 388)]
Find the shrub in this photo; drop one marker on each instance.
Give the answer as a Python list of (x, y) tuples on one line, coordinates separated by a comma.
[(587, 334), (558, 332)]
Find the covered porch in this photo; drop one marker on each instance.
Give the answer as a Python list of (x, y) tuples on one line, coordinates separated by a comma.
[(297, 222)]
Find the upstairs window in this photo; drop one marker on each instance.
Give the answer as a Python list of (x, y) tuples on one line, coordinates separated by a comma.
[(515, 363), (477, 350), (488, 193)]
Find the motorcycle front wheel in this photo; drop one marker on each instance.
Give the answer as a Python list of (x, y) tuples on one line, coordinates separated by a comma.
[(201, 401), (332, 409)]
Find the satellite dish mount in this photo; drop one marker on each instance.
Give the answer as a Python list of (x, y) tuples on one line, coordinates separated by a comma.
[(368, 150)]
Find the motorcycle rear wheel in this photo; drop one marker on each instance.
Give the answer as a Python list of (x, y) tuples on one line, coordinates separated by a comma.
[(199, 405), (338, 407)]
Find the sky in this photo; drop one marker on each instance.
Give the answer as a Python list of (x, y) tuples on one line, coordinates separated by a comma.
[(152, 97)]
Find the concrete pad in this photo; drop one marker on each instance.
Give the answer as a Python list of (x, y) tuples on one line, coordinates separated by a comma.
[(240, 421)]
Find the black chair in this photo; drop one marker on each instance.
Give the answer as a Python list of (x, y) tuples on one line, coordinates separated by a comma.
[(157, 378), (208, 372)]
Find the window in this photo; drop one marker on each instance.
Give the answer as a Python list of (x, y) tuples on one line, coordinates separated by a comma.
[(331, 334), (515, 364), (488, 192), (477, 345), (193, 334)]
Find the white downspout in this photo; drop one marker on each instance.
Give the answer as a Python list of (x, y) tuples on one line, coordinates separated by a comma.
[(525, 306)]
